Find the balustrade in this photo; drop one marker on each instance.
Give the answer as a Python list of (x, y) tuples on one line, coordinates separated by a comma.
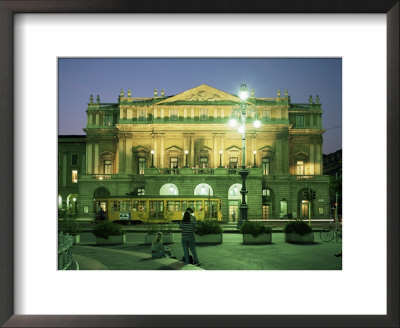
[(65, 259)]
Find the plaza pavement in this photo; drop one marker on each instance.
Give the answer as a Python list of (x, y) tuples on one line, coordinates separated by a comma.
[(230, 255)]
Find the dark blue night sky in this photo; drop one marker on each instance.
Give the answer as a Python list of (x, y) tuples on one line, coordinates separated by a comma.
[(79, 78)]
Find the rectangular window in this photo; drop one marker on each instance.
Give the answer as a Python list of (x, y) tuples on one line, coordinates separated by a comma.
[(173, 114), (107, 167), (283, 209), (108, 119), (265, 166), (203, 114), (266, 114), (142, 165), (142, 115), (233, 165), (74, 176), (300, 120), (74, 159), (300, 168), (203, 162)]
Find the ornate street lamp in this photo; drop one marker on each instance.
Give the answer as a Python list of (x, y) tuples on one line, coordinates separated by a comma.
[(243, 109), (220, 158)]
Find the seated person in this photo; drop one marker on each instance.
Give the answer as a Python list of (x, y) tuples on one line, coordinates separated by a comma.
[(158, 250)]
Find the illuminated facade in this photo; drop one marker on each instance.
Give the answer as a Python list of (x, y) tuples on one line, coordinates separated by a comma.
[(183, 145)]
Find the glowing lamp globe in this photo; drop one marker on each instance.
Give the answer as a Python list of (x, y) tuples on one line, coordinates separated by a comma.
[(232, 122), (243, 92), (257, 124)]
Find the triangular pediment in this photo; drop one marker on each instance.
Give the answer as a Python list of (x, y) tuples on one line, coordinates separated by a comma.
[(174, 147), (233, 148), (202, 94), (301, 155), (266, 149), (141, 149)]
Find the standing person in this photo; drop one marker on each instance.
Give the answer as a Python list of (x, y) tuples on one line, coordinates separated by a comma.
[(102, 215), (233, 217), (191, 212), (158, 249), (188, 227)]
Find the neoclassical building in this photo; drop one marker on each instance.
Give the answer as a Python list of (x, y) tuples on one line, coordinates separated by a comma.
[(183, 145)]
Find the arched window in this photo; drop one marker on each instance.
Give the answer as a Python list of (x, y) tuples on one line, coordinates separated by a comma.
[(169, 189), (101, 192), (203, 189), (234, 191)]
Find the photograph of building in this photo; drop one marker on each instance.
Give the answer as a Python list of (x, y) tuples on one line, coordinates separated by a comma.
[(232, 154)]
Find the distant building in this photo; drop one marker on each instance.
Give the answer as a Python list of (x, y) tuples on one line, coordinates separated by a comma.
[(333, 163), (183, 145), (71, 165), (333, 168)]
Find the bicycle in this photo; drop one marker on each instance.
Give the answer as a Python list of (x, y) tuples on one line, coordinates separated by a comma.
[(327, 234)]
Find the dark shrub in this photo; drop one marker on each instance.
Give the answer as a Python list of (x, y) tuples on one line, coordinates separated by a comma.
[(298, 226), (106, 229), (70, 226), (254, 228), (208, 227)]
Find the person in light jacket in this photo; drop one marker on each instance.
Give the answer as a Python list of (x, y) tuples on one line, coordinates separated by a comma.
[(158, 250)]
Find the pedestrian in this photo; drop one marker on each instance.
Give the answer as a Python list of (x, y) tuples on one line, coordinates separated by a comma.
[(188, 227), (233, 217), (158, 250), (191, 212), (102, 215)]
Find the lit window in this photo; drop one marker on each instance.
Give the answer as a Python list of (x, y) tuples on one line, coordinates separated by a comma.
[(142, 115), (107, 167), (266, 192), (74, 176), (203, 162), (300, 168), (203, 114), (142, 165), (173, 114), (283, 209), (265, 165)]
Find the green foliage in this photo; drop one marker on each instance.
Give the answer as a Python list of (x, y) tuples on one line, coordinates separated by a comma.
[(107, 229), (70, 226), (208, 227), (254, 228), (297, 226)]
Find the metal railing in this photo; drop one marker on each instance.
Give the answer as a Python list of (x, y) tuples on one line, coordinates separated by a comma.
[(65, 259)]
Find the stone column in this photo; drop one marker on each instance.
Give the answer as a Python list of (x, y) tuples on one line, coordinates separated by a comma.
[(215, 151), (313, 160), (318, 170), (89, 147), (128, 154), (162, 151), (191, 151), (222, 147), (121, 153), (97, 119), (96, 158)]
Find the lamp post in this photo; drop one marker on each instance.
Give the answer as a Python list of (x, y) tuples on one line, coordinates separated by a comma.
[(243, 109), (186, 156), (152, 158), (220, 158)]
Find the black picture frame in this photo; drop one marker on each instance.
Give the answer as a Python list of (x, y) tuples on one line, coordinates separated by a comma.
[(7, 10)]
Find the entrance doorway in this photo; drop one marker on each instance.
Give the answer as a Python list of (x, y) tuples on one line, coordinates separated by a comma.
[(233, 210), (266, 211), (304, 209)]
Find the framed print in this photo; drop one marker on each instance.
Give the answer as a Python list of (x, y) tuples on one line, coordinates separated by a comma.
[(34, 35)]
